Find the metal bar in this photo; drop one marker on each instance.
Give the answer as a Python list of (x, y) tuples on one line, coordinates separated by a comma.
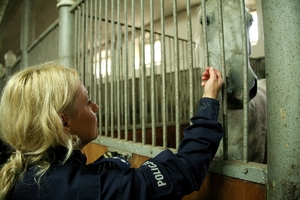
[(170, 49), (163, 73), (66, 35), (85, 69), (118, 71), (112, 69), (152, 73), (133, 71), (138, 148), (190, 58), (106, 71), (250, 171), (224, 89), (142, 69), (93, 63), (254, 172), (76, 37), (184, 81), (176, 73), (126, 106), (282, 61), (81, 66), (91, 50), (79, 36), (100, 93), (204, 26), (26, 28), (246, 95)]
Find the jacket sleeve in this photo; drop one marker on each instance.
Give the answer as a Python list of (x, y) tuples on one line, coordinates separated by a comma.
[(171, 175)]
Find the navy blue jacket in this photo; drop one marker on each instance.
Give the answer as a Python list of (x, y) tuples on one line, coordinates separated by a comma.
[(166, 176)]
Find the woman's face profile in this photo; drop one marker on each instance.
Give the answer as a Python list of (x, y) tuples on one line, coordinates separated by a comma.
[(84, 123)]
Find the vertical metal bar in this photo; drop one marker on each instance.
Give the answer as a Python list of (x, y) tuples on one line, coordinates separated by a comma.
[(90, 48), (223, 67), (66, 34), (133, 71), (118, 71), (204, 26), (198, 73), (93, 58), (176, 73), (76, 37), (56, 41), (152, 72), (91, 51), (126, 71), (112, 67), (53, 42), (26, 31), (85, 68), (163, 73), (281, 25), (190, 57), (83, 26), (143, 73), (100, 92), (246, 95), (106, 70), (44, 42), (184, 83), (171, 53)]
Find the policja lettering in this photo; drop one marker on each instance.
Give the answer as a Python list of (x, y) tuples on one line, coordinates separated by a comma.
[(156, 172)]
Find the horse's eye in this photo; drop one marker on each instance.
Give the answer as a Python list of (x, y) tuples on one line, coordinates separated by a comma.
[(250, 22), (207, 21)]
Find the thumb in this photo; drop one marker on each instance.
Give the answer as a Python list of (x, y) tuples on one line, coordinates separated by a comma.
[(212, 73)]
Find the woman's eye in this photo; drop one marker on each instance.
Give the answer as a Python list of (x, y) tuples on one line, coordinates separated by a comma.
[(89, 103)]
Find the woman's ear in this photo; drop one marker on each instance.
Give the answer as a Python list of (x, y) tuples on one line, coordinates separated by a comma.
[(65, 121)]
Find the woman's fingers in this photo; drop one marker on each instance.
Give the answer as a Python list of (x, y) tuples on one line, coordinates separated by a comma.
[(212, 82)]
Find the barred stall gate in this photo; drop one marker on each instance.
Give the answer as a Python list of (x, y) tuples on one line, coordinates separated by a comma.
[(138, 60)]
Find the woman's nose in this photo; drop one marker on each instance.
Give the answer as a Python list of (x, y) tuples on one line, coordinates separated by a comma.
[(95, 107)]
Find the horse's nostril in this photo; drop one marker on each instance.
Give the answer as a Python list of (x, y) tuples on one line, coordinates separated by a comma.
[(253, 90)]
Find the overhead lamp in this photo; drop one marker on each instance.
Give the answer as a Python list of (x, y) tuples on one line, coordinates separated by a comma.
[(10, 59), (65, 2)]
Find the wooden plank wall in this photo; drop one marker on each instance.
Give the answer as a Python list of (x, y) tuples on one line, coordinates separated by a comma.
[(215, 187)]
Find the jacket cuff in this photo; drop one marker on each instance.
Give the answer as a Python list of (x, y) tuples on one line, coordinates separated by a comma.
[(208, 109)]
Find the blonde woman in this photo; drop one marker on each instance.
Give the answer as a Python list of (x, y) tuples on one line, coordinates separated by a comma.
[(46, 117)]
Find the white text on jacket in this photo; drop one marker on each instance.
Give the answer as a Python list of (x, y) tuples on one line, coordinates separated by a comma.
[(157, 174)]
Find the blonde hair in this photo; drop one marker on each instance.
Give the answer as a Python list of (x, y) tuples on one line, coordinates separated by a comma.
[(30, 121)]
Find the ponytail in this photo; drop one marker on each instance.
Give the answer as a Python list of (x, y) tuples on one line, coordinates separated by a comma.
[(10, 172)]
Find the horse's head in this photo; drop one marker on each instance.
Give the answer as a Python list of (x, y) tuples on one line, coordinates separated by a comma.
[(234, 60)]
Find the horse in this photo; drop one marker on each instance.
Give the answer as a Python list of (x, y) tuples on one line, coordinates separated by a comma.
[(234, 79)]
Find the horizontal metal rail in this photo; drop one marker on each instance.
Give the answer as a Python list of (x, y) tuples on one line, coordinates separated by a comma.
[(254, 172)]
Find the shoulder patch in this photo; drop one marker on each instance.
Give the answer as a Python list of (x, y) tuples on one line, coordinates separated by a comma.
[(158, 177)]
